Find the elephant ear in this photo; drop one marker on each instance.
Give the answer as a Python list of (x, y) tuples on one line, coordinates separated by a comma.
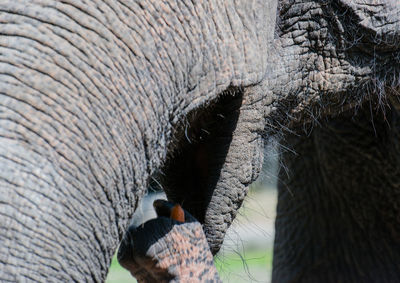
[(167, 249)]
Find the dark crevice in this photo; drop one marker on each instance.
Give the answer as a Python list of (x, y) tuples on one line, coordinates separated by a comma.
[(195, 158), (346, 167)]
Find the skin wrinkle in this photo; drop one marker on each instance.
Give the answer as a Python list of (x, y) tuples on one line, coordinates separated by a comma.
[(99, 114), (226, 36), (34, 69), (377, 19), (147, 87), (218, 35), (58, 120), (351, 76), (188, 27), (233, 198), (64, 83), (210, 30), (198, 42), (60, 219), (26, 119), (130, 49), (72, 44), (70, 174), (46, 223), (142, 86), (164, 61), (236, 25), (33, 175), (17, 122), (57, 218), (91, 25), (144, 144), (8, 158), (363, 202), (17, 159)]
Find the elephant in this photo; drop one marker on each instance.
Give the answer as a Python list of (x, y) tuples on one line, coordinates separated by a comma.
[(100, 99)]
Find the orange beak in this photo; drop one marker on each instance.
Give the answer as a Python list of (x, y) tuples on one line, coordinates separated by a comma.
[(177, 213)]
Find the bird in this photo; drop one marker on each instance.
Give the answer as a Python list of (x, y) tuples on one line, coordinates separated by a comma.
[(169, 209)]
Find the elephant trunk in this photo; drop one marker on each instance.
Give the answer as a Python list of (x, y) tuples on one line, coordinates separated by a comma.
[(241, 167)]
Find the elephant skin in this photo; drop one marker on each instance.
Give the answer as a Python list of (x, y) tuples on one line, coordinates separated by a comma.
[(338, 129), (101, 99), (338, 205), (97, 99)]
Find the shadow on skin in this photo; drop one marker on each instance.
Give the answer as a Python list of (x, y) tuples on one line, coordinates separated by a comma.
[(193, 167), (165, 249)]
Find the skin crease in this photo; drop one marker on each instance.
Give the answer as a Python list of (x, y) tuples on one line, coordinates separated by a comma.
[(361, 243), (94, 96), (338, 186)]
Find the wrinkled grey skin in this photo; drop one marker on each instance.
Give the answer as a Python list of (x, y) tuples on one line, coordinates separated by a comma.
[(338, 200), (99, 97), (94, 95)]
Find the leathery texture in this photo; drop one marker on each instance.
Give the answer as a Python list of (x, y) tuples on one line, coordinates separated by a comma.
[(91, 92), (338, 204)]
